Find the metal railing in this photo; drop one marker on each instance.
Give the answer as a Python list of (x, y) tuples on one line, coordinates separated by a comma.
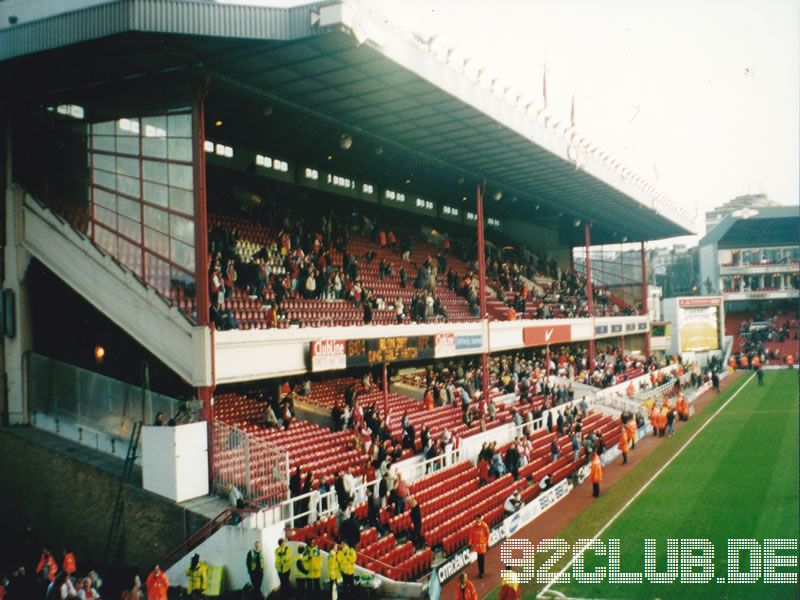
[(91, 408), (314, 506), (258, 470)]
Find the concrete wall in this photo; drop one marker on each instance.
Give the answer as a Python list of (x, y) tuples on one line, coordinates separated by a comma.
[(69, 504)]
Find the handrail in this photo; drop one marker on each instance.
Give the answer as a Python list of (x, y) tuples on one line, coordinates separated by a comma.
[(202, 534)]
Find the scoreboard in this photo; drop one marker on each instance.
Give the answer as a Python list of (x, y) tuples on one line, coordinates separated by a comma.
[(366, 352)]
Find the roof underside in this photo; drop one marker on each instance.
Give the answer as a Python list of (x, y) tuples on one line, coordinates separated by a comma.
[(321, 86), (758, 233)]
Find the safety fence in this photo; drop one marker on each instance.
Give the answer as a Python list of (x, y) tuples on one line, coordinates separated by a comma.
[(259, 471)]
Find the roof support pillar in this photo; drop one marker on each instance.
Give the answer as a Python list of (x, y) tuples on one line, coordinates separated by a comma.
[(589, 295), (482, 288), (645, 299)]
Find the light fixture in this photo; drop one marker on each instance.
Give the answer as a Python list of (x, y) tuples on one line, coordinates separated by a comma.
[(99, 353), (330, 156), (217, 123), (345, 141), (464, 199), (379, 150), (577, 222), (460, 180), (624, 238), (408, 180), (498, 195), (536, 207), (267, 111)]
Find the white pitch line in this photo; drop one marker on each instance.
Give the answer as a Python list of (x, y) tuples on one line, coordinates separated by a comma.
[(644, 487)]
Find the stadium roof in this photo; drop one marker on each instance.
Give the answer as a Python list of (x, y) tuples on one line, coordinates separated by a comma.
[(757, 228), (415, 119)]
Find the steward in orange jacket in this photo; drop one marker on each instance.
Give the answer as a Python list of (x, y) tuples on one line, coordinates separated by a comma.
[(596, 474), (623, 445), (632, 430), (479, 540), (69, 563), (47, 566)]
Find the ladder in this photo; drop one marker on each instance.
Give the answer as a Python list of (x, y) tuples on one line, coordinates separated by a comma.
[(115, 529)]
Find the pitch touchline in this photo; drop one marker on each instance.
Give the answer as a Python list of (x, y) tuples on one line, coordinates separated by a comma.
[(644, 487)]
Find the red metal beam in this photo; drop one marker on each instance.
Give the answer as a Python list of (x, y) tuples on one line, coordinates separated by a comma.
[(645, 300), (482, 286), (589, 295), (200, 215)]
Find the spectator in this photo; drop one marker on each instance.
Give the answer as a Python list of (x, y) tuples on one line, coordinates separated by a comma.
[(479, 541), (416, 521), (513, 503)]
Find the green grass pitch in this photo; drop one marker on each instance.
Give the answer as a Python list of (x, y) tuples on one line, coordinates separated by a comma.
[(739, 478)]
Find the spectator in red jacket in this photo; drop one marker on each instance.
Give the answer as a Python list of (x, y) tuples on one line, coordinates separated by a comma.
[(69, 563), (465, 589)]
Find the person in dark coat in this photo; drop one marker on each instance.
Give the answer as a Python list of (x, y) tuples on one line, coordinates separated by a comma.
[(416, 521)]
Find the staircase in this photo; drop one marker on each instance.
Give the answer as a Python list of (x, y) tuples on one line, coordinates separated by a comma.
[(115, 291)]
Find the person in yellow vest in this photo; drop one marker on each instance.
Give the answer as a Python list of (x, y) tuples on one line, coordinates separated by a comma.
[(315, 569), (333, 566), (283, 564), (302, 571), (197, 577), (255, 568), (347, 566)]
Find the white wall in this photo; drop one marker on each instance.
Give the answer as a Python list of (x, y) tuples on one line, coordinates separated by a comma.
[(259, 354), (27, 11), (17, 260), (175, 461)]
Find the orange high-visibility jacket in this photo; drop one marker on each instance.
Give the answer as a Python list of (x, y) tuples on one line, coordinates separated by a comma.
[(623, 441), (52, 567), (157, 586), (69, 563), (479, 537), (631, 427), (468, 593), (596, 470)]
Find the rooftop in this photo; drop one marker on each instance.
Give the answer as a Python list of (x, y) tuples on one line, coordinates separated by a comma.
[(295, 80)]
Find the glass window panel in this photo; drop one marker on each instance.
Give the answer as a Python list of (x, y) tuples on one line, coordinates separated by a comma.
[(104, 161), (130, 255), (181, 201), (128, 185), (104, 142), (130, 228), (182, 229), (128, 145), (157, 219), (183, 254), (155, 193), (180, 176), (105, 179), (129, 208), (106, 217), (155, 147), (127, 126), (179, 125), (155, 123), (106, 240), (128, 166), (104, 128), (155, 241), (155, 171), (157, 273), (180, 149), (105, 199), (182, 277)]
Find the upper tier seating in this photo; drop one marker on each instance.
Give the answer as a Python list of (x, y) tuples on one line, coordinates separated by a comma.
[(251, 313)]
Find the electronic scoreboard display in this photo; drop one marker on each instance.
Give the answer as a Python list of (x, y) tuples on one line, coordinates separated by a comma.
[(362, 353)]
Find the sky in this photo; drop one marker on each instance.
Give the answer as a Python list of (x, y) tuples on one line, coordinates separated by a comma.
[(700, 97)]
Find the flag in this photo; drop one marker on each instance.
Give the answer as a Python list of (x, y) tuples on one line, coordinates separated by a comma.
[(544, 88), (572, 112)]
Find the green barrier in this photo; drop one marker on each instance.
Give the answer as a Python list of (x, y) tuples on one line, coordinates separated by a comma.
[(215, 577)]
